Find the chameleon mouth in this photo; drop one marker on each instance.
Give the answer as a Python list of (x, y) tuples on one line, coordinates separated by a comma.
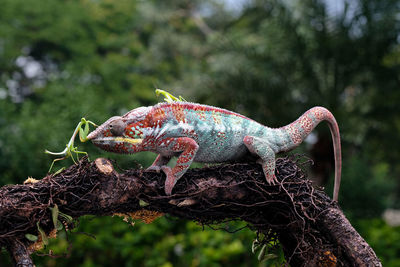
[(116, 140), (128, 140)]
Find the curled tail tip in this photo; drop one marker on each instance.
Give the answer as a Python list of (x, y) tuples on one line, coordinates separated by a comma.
[(323, 114), (305, 124)]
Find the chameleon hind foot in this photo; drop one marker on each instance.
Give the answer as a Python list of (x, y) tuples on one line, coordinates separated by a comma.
[(269, 170), (261, 148)]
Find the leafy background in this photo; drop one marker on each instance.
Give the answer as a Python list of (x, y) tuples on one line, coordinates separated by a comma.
[(269, 60)]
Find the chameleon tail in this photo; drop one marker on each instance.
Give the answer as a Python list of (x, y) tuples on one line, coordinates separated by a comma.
[(302, 127)]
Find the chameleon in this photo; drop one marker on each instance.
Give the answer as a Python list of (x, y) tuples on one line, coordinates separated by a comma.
[(201, 133)]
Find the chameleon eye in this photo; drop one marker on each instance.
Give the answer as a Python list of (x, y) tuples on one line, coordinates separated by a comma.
[(117, 127)]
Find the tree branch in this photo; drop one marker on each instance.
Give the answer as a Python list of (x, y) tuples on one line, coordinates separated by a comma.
[(310, 227)]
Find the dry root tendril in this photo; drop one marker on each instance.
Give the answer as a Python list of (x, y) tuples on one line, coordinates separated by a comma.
[(291, 211)]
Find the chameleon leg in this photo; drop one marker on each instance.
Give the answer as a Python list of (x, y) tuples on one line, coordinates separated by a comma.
[(262, 149), (160, 161), (188, 147)]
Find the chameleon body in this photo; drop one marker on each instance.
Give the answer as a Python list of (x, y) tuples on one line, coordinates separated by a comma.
[(201, 133)]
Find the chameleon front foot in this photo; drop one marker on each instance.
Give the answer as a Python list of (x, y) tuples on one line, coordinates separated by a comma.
[(170, 181)]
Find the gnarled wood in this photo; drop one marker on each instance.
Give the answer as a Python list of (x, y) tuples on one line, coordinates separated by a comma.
[(311, 228)]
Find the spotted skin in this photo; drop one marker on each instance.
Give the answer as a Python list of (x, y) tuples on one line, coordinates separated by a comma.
[(200, 133)]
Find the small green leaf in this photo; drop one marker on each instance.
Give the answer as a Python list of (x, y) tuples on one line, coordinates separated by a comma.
[(54, 215), (143, 203), (31, 237), (60, 170), (270, 256), (255, 246), (43, 235), (59, 226), (262, 253), (68, 218)]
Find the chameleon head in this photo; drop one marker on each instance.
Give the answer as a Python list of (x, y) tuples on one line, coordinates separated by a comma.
[(122, 134)]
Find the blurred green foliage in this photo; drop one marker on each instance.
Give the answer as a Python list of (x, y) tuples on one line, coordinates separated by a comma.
[(270, 60), (384, 239)]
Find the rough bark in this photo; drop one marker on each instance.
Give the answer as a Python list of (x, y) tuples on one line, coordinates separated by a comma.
[(310, 227)]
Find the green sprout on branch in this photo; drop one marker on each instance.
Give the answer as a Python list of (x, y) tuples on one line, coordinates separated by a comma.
[(70, 148), (168, 97), (263, 255)]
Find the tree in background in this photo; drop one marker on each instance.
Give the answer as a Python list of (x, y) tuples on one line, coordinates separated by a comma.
[(270, 60)]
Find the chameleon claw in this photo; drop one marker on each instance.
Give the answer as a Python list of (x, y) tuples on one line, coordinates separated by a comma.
[(272, 180)]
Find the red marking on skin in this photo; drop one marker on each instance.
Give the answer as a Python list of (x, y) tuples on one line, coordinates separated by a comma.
[(179, 113), (248, 140), (120, 147), (179, 167), (307, 124), (319, 113), (108, 133), (177, 147), (201, 108), (190, 133), (135, 128), (170, 182), (294, 134), (160, 138), (216, 117), (221, 135), (162, 142), (201, 115), (182, 160), (158, 116)]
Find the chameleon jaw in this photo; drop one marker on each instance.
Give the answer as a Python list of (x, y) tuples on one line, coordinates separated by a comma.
[(114, 140)]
